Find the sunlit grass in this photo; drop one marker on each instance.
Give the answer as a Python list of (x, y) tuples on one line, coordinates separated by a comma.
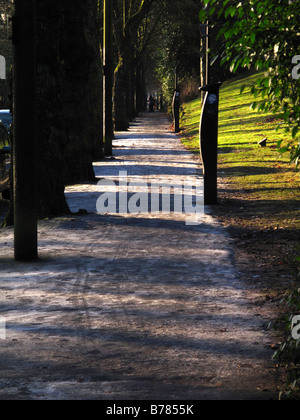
[(255, 173)]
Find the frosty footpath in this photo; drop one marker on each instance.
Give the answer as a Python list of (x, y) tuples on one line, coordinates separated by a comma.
[(132, 306)]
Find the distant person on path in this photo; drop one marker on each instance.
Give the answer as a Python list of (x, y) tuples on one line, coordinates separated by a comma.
[(151, 104)]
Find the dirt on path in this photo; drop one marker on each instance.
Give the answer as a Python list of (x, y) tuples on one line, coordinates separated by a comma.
[(133, 306)]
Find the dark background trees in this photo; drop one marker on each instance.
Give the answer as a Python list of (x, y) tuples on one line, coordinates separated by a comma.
[(51, 128), (131, 29), (177, 45), (152, 39)]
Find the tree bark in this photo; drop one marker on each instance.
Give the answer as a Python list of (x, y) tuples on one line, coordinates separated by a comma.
[(50, 119), (82, 91), (69, 100), (24, 151), (120, 99), (108, 77)]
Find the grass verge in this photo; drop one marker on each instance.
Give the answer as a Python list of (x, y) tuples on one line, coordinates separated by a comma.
[(258, 192)]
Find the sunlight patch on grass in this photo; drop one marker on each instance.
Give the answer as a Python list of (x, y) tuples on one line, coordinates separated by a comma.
[(254, 173)]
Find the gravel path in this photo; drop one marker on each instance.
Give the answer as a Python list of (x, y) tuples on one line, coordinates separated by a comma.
[(125, 306)]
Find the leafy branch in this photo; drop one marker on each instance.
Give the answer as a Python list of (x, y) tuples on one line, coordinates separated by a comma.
[(264, 36)]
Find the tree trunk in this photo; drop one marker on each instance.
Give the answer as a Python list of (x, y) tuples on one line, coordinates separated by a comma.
[(202, 64), (108, 77), (141, 91), (24, 151), (50, 118), (82, 91), (120, 99), (69, 99), (132, 91)]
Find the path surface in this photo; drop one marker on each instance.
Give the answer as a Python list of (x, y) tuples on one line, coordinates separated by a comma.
[(131, 307)]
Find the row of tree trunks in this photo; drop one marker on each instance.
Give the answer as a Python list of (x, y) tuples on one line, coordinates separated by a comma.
[(121, 100), (82, 107), (69, 121), (141, 92), (68, 94)]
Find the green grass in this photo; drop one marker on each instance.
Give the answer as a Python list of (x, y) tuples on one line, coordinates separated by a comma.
[(259, 190), (249, 172)]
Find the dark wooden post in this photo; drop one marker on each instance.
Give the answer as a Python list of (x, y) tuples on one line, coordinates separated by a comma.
[(209, 142), (108, 78), (176, 110), (24, 129)]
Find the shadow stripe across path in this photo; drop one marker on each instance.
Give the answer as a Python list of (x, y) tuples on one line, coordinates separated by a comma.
[(132, 306)]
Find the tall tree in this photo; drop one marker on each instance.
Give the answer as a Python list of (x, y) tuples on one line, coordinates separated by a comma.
[(108, 76), (82, 90), (69, 99), (50, 106), (25, 168)]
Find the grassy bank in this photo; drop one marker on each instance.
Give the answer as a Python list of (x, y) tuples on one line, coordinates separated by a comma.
[(259, 176), (259, 198)]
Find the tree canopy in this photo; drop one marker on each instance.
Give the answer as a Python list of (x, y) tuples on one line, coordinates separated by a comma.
[(264, 36)]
